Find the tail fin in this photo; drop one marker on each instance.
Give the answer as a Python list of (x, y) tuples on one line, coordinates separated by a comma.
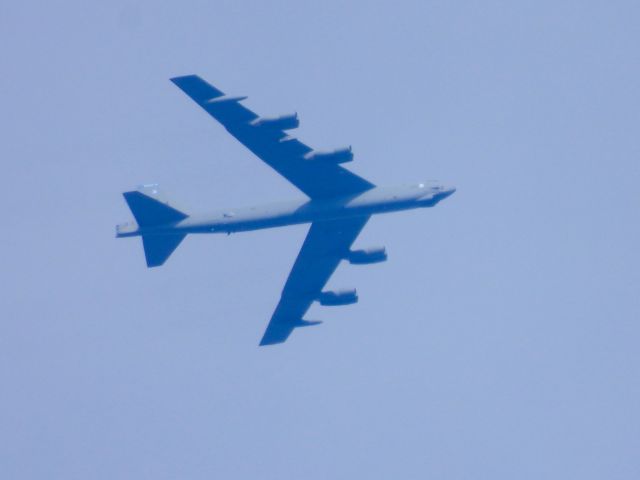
[(150, 208)]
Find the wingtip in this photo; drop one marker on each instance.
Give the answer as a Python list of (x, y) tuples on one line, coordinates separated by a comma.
[(196, 88), (264, 342), (180, 78), (276, 337)]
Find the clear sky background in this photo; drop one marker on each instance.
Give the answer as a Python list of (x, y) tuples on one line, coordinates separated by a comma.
[(499, 341)]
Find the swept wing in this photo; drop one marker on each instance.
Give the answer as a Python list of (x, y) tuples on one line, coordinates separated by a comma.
[(327, 243), (290, 157)]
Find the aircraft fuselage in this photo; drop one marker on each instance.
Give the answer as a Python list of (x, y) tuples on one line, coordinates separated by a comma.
[(375, 201)]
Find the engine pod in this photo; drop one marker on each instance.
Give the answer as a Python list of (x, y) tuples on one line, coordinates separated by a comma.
[(340, 155), (367, 255), (338, 297), (283, 122)]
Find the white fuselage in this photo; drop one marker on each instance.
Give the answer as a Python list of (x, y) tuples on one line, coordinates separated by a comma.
[(374, 201)]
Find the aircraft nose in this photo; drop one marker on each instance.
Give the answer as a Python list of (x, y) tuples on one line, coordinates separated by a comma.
[(447, 191), (437, 193)]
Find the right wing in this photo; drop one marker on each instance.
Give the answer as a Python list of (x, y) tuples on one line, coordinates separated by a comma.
[(327, 243), (287, 155)]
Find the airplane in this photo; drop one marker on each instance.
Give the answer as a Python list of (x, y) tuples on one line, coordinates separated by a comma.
[(339, 205)]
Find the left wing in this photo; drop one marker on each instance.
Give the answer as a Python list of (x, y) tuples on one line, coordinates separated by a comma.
[(326, 244), (317, 174)]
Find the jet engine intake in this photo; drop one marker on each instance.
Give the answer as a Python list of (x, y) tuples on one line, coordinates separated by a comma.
[(340, 155), (338, 297), (283, 122), (367, 255)]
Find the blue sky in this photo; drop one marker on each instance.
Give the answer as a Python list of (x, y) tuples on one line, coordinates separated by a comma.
[(500, 340)]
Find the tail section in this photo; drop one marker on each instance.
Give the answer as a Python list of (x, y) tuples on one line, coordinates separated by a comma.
[(157, 248), (151, 209)]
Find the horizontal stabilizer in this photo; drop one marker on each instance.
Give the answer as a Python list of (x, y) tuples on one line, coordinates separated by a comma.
[(157, 248), (150, 208)]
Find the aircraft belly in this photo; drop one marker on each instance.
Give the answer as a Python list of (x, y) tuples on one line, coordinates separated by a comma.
[(309, 215), (294, 213)]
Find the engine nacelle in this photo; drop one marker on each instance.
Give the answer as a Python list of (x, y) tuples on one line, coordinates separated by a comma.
[(340, 155), (367, 255), (338, 297), (283, 122)]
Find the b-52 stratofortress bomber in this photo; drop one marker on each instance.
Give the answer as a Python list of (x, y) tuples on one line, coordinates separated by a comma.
[(340, 203)]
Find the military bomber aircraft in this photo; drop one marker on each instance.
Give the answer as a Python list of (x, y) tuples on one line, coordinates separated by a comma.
[(340, 204)]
